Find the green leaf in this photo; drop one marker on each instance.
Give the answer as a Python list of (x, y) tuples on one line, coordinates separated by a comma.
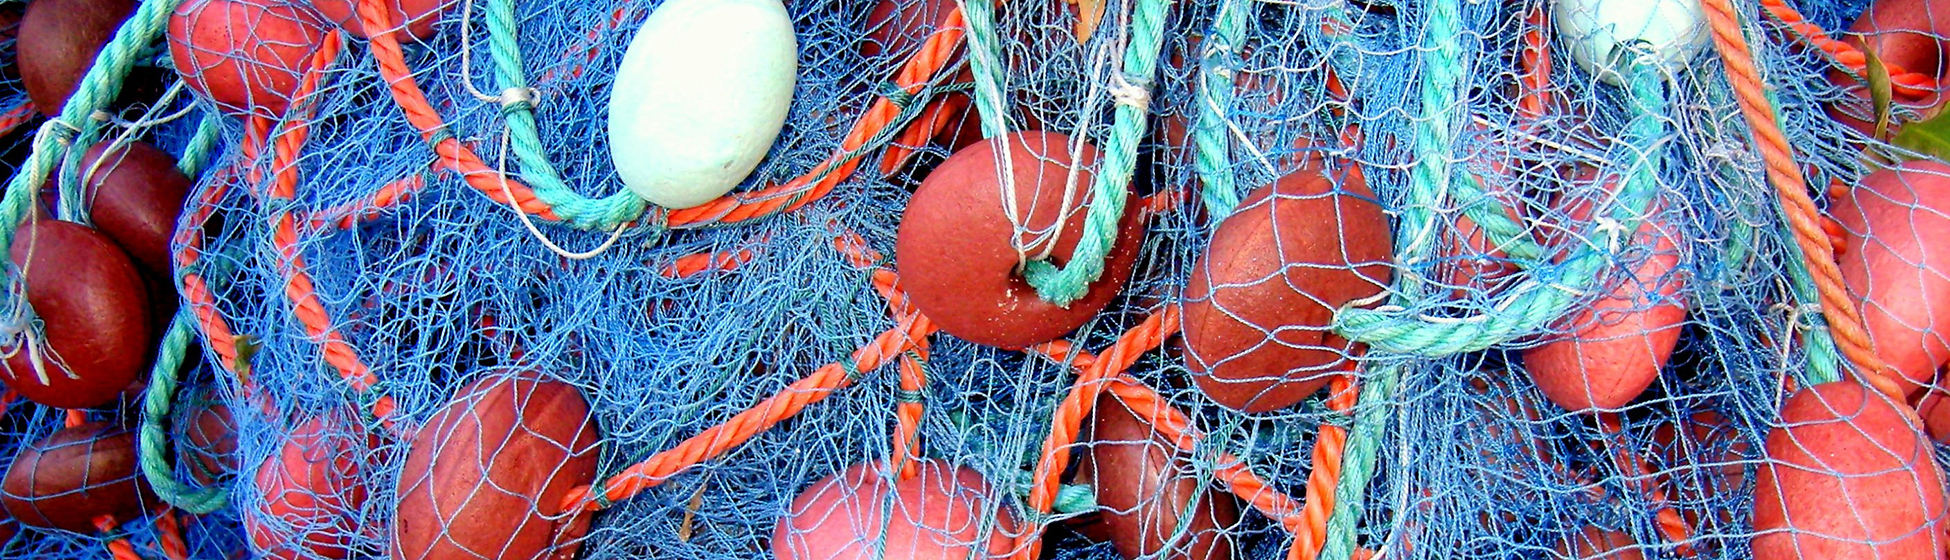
[(1931, 137), (1880, 92)]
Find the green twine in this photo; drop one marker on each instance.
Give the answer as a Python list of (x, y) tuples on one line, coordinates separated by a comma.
[(155, 458), (69, 186), (203, 145), (1111, 188), (1546, 296), (1218, 63), (573, 208)]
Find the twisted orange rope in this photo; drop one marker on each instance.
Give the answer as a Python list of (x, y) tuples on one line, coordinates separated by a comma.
[(1844, 320), (298, 288), (933, 55), (1906, 83), (1630, 466), (716, 440), (21, 113), (169, 535), (1076, 407)]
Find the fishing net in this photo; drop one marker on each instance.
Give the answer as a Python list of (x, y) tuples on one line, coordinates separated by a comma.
[(1569, 326)]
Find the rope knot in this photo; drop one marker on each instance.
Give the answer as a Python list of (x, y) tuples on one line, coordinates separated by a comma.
[(519, 98), (896, 94), (62, 132), (1131, 91)]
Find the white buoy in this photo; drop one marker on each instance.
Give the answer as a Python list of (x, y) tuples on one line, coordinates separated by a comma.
[(700, 97), (1600, 33)]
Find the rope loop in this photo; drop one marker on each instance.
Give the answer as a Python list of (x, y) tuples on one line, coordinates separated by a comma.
[(518, 98)]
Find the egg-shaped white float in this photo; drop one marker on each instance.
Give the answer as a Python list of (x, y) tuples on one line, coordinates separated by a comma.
[(700, 97), (1600, 33)]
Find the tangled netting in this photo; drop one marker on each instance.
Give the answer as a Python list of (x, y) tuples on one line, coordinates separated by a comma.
[(430, 215)]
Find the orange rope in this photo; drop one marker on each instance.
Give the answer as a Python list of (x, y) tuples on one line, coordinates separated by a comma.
[(716, 440), (1343, 393), (1632, 468), (119, 547), (169, 535), (930, 59), (1076, 407), (692, 265), (1908, 84), (942, 112), (907, 414), (1844, 320), (1535, 82), (19, 114), (298, 287)]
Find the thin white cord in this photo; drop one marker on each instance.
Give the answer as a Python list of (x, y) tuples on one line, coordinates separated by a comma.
[(502, 176)]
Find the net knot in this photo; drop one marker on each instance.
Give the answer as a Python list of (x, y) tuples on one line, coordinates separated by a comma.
[(15, 314), (62, 132), (1131, 91), (518, 98), (895, 94)]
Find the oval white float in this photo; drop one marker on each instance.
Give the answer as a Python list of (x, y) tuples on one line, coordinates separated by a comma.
[(1597, 33), (700, 97)]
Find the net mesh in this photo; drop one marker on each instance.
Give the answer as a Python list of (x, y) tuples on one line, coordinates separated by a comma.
[(347, 283)]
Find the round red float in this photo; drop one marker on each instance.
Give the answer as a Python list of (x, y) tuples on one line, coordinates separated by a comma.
[(959, 251), (95, 333), (244, 55)]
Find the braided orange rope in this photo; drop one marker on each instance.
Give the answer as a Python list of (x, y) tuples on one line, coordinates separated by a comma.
[(1533, 92), (933, 55), (1076, 407), (21, 113), (1906, 83), (1630, 466), (202, 304), (1844, 320), (907, 414)]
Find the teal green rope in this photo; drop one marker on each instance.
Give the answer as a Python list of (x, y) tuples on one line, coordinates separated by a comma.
[(524, 137), (1358, 459), (985, 62), (1073, 498), (1546, 296), (155, 459), (97, 88), (1218, 62), (203, 144), (1119, 157), (1443, 71)]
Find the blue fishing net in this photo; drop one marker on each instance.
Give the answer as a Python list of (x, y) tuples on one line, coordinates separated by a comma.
[(1456, 450)]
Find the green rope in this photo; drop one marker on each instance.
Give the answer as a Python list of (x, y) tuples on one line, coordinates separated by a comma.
[(1218, 63), (155, 459), (1074, 498), (1111, 188), (1444, 71), (1549, 293), (97, 88), (203, 145), (573, 208), (985, 62)]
